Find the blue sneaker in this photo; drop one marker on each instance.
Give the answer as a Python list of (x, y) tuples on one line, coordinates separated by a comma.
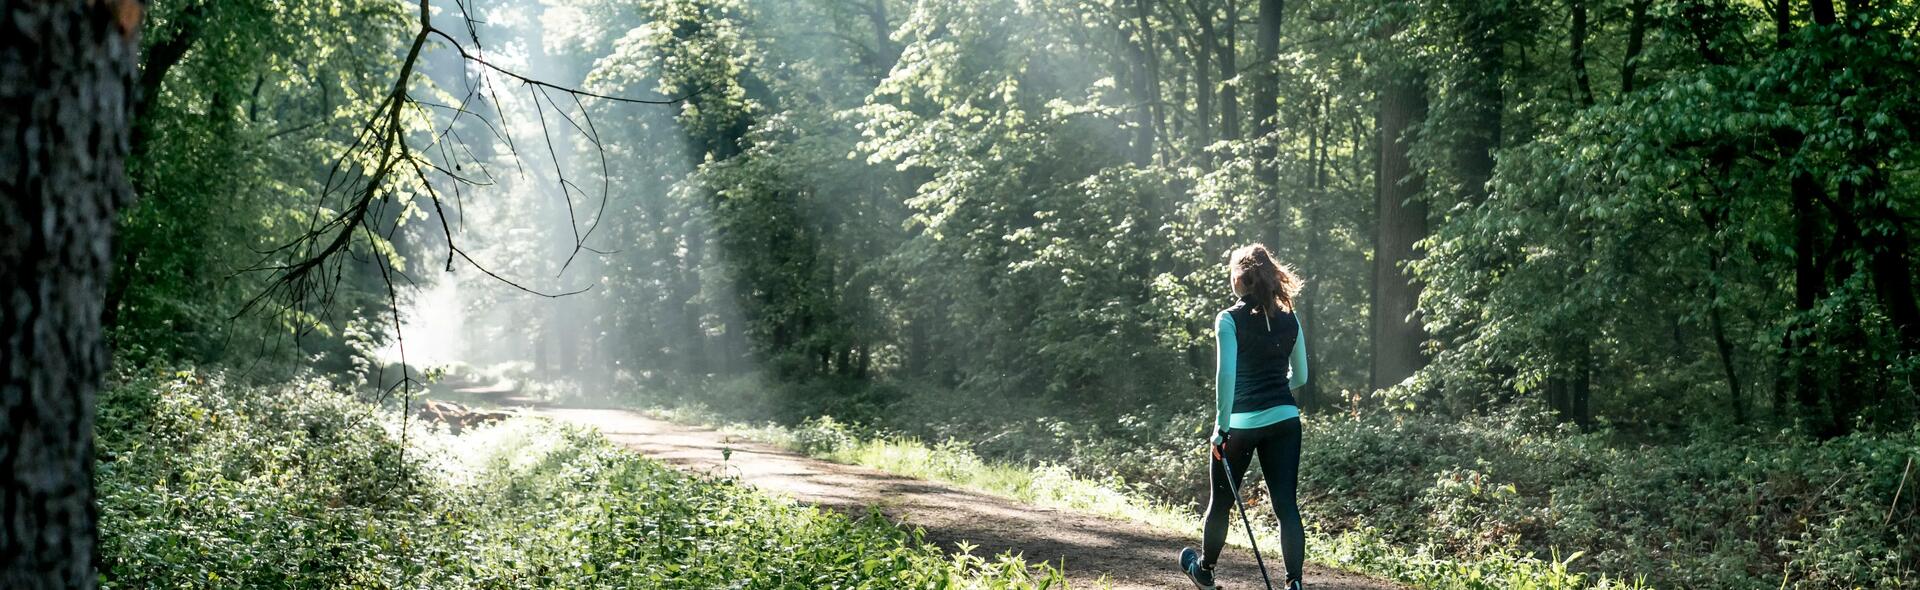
[(1201, 576), (1294, 584)]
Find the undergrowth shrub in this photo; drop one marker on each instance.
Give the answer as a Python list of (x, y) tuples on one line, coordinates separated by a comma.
[(822, 435), (1513, 487), (206, 483), (566, 509), (1720, 511)]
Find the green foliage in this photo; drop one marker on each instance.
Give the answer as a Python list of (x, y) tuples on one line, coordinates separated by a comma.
[(1717, 511), (1361, 548), (1657, 236), (1499, 570), (953, 209), (1509, 501), (208, 484), (893, 201), (572, 511), (822, 435), (235, 144)]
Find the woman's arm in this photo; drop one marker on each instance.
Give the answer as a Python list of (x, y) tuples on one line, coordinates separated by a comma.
[(1226, 368), (1297, 375)]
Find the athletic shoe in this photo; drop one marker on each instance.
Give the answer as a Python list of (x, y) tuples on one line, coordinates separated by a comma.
[(1293, 585), (1201, 576)]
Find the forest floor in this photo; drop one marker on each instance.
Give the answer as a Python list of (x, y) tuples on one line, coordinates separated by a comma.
[(1092, 550)]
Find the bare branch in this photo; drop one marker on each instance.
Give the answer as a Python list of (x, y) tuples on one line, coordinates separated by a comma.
[(497, 277), (535, 82)]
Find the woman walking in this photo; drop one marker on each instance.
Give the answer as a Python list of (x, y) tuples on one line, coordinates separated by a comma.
[(1262, 360)]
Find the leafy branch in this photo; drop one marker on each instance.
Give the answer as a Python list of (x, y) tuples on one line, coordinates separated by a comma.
[(307, 270)]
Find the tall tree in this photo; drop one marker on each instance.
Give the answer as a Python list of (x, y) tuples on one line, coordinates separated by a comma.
[(1137, 37), (1321, 135), (1797, 382), (1226, 49), (1636, 43), (1479, 95), (1266, 91), (66, 100), (1203, 86), (1201, 40), (1578, 56), (1823, 13), (1397, 333), (1862, 194)]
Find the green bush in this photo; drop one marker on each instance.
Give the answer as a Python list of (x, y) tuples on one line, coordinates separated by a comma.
[(1513, 487), (203, 483), (208, 484), (822, 435), (1718, 511), (569, 510)]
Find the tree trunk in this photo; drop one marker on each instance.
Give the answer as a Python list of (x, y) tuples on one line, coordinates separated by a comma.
[(888, 51), (1143, 86), (1795, 382), (1636, 41), (1569, 386), (1827, 415), (866, 362), (1809, 286), (1822, 11), (697, 351), (1397, 334), (161, 58), (1156, 106), (1227, 61), (1581, 82), (1582, 388), (1889, 260), (1735, 400), (1309, 398), (1178, 89), (66, 100), (576, 329), (1203, 97), (1484, 102), (1892, 270), (1266, 95), (1782, 22), (1557, 391), (1714, 217)]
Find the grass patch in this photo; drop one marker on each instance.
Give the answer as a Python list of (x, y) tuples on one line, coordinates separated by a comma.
[(210, 484), (1363, 550), (1505, 496)]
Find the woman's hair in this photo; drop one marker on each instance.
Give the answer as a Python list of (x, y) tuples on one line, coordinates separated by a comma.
[(1270, 284)]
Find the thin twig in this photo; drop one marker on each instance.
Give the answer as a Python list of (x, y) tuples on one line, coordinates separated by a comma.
[(497, 277), (1896, 493), (543, 84)]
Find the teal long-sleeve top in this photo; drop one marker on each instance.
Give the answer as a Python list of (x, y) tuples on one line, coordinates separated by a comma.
[(1227, 367)]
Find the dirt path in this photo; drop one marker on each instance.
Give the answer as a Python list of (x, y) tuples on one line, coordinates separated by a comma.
[(1091, 548)]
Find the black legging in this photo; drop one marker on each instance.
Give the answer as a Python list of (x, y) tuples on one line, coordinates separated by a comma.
[(1279, 448)]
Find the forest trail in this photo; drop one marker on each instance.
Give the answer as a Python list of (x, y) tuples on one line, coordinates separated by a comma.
[(1091, 549)]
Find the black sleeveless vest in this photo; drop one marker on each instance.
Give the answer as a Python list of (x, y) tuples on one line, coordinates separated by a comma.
[(1265, 353)]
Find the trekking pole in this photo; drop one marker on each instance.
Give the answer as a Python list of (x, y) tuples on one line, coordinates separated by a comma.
[(1235, 488)]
